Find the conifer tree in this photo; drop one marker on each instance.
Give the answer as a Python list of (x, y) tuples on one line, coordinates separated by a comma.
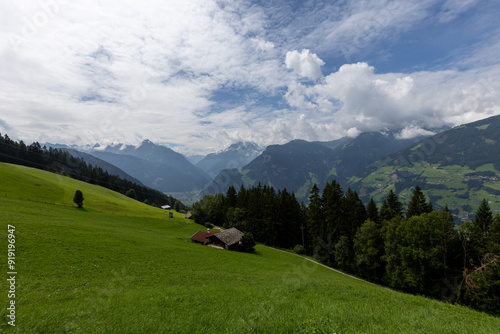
[(231, 197), (418, 204), (484, 217), (354, 213), (372, 211), (394, 204), (391, 207), (333, 197), (315, 215)]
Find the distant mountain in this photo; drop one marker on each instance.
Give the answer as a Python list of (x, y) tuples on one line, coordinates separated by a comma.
[(458, 168), (106, 166), (299, 164), (235, 156), (194, 159), (156, 166)]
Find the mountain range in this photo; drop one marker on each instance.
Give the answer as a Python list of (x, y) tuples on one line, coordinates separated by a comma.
[(299, 164), (156, 166), (455, 168)]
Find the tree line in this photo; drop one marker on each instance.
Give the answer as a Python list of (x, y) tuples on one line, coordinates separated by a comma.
[(417, 250), (63, 163), (273, 218)]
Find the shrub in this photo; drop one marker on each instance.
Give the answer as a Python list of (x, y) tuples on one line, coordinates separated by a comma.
[(247, 243), (299, 249), (78, 198)]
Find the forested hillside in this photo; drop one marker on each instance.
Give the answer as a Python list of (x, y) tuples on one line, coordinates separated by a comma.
[(456, 168)]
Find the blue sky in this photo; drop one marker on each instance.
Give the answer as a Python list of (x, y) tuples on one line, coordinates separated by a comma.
[(202, 74)]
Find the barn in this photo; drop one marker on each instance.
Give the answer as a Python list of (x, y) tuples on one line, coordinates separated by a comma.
[(201, 237), (228, 239)]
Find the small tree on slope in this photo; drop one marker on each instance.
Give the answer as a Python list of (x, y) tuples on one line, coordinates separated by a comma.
[(78, 198)]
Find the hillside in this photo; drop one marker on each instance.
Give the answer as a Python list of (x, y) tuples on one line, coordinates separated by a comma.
[(110, 168), (120, 266), (458, 168)]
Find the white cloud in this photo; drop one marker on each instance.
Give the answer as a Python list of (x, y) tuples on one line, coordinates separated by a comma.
[(100, 71), (118, 73), (353, 132), (263, 45), (363, 100), (304, 63), (413, 131)]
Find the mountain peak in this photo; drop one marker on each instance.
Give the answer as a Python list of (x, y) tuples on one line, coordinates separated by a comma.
[(235, 156), (247, 145)]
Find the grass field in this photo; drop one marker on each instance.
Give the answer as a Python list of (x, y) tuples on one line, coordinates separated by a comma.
[(119, 266)]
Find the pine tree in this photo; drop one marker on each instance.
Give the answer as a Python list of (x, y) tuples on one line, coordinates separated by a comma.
[(315, 215), (333, 198), (247, 243), (484, 217), (355, 213), (231, 197), (394, 204), (418, 204), (391, 207), (372, 211)]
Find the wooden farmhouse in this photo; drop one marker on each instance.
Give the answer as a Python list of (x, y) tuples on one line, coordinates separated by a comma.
[(201, 237), (228, 239)]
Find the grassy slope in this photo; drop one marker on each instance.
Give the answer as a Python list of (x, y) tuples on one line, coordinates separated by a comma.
[(454, 178), (119, 266)]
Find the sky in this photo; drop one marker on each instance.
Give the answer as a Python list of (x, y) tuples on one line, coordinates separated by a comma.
[(199, 75)]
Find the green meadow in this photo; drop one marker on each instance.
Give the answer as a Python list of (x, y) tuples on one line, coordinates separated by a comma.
[(119, 266), (456, 193)]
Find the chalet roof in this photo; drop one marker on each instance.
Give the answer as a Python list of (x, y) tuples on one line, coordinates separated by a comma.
[(188, 216), (202, 236), (165, 207), (230, 236)]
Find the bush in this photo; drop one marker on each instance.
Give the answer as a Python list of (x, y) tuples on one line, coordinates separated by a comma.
[(78, 198), (131, 193), (247, 243), (299, 249)]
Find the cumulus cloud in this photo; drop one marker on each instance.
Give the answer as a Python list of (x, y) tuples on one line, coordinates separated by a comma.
[(353, 132), (122, 72), (304, 63), (97, 71), (413, 131), (358, 98)]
